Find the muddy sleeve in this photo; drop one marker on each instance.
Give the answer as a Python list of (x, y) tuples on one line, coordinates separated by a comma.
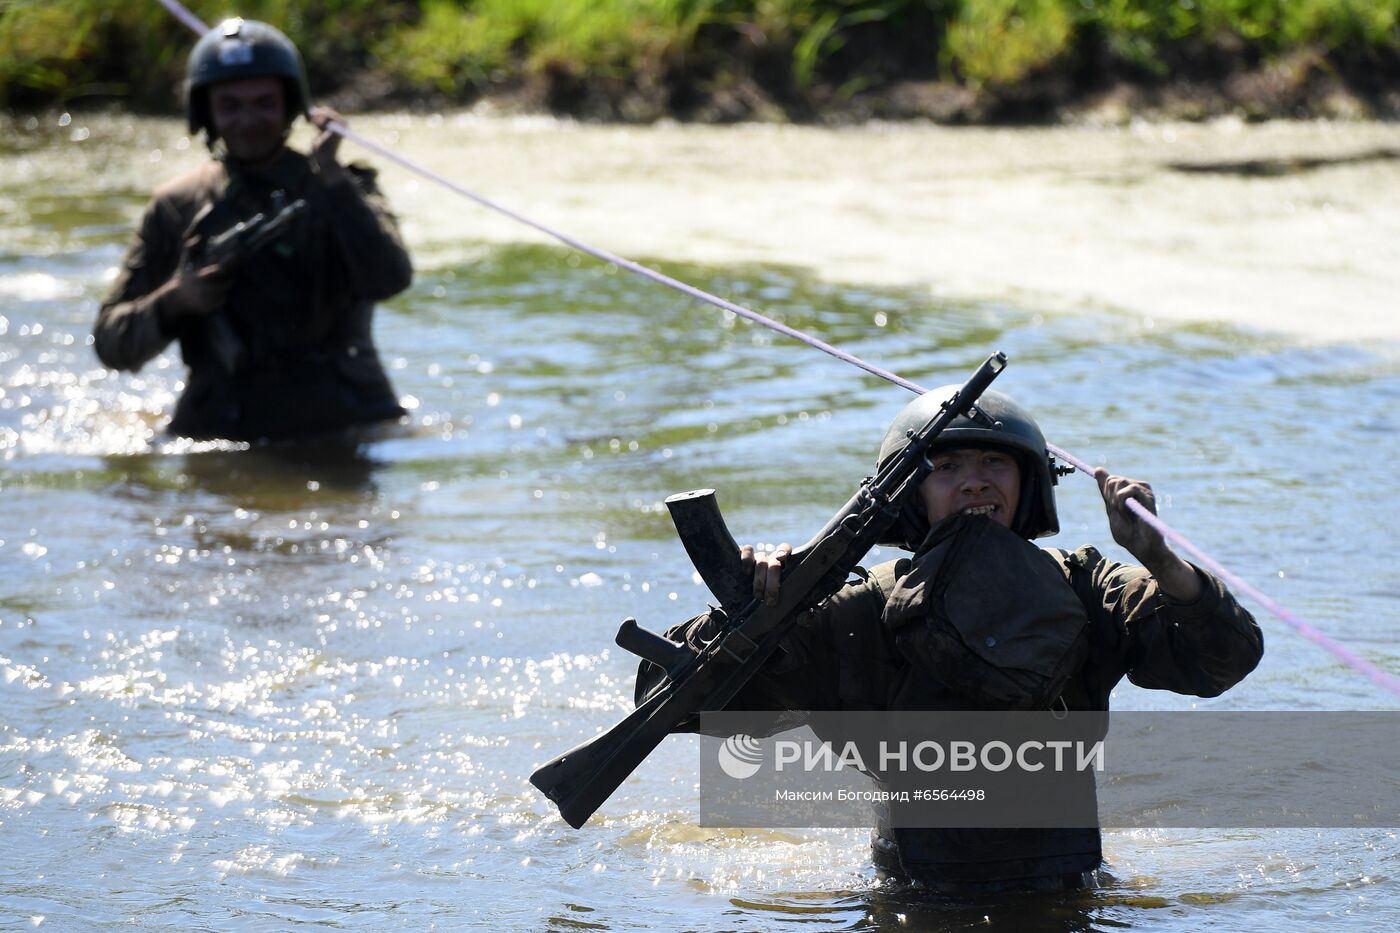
[(1202, 648), (133, 324), (367, 235)]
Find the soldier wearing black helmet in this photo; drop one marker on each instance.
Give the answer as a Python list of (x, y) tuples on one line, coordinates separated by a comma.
[(278, 342), (900, 637)]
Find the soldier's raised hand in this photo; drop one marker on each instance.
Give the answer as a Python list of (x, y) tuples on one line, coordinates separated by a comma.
[(196, 290), (327, 145), (1139, 538), (1174, 576)]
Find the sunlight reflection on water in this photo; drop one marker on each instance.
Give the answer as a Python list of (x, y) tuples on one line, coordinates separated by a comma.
[(307, 684)]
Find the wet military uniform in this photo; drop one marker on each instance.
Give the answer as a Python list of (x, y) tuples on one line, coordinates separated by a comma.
[(854, 652), (299, 310)]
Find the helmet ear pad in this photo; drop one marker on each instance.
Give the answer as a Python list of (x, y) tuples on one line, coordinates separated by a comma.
[(1036, 516), (911, 527)]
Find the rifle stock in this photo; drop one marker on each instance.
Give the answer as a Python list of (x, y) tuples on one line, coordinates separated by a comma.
[(585, 776), (581, 779)]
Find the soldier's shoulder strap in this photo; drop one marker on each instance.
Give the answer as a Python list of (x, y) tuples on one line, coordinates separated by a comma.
[(884, 576), (1078, 568)]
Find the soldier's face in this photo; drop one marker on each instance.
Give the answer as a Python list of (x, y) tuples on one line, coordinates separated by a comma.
[(250, 115), (970, 479)]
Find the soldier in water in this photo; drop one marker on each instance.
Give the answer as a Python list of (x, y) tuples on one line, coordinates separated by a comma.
[(903, 636), (277, 337)]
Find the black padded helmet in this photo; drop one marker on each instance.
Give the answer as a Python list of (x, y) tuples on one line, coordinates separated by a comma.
[(242, 48), (995, 421)]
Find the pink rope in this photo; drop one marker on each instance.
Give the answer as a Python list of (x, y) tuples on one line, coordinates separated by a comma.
[(627, 264), (185, 16), (1341, 652)]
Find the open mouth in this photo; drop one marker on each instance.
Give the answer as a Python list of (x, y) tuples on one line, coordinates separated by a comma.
[(980, 510)]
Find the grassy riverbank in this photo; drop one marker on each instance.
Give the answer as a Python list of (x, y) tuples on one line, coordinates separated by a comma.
[(718, 60)]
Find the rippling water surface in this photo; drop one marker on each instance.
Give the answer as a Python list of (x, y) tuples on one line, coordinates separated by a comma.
[(305, 687)]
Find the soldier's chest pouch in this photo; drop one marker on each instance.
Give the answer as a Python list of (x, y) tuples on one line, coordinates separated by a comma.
[(990, 616)]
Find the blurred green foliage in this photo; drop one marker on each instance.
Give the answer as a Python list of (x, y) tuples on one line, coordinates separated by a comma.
[(455, 46), (1142, 31), (1001, 41), (57, 50)]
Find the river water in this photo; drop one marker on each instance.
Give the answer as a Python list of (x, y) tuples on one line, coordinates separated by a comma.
[(265, 689)]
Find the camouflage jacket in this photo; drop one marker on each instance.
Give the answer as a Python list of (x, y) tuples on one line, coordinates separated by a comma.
[(300, 308)]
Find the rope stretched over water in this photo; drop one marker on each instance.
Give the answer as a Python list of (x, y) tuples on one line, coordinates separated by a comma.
[(1340, 651), (1381, 678)]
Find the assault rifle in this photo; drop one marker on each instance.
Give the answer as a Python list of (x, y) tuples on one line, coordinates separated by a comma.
[(581, 779), (229, 250)]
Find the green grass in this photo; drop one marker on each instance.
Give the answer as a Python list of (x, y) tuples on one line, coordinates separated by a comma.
[(1143, 30), (458, 46), (58, 50), (1002, 41)]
